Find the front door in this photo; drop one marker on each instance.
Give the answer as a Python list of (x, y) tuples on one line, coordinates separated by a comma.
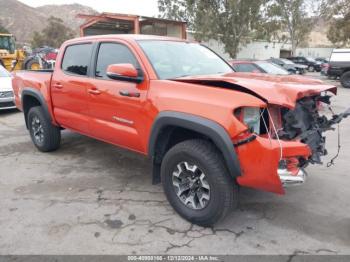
[(117, 117)]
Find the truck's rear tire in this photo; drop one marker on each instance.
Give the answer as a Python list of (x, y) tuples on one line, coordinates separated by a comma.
[(197, 183), (45, 136), (345, 79)]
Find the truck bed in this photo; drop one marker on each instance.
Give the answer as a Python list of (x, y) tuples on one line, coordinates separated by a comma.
[(35, 79)]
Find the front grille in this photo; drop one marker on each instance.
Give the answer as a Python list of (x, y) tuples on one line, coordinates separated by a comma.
[(7, 104), (6, 94)]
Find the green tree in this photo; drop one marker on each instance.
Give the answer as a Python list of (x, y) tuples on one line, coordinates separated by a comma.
[(179, 10), (337, 13), (54, 34), (290, 16), (233, 22)]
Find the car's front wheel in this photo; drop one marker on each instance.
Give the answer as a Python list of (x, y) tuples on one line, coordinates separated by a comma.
[(45, 136), (345, 79), (196, 182)]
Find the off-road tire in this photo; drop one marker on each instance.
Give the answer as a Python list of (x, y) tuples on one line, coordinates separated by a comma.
[(345, 79), (51, 134), (223, 188)]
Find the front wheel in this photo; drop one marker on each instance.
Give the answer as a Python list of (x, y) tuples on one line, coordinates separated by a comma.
[(45, 136), (345, 79), (311, 69), (196, 182)]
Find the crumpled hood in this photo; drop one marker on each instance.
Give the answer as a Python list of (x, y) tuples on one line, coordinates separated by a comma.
[(279, 90)]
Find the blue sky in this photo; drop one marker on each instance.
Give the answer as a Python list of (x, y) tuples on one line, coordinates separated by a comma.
[(137, 7)]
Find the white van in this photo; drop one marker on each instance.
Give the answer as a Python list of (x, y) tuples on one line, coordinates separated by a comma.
[(339, 66)]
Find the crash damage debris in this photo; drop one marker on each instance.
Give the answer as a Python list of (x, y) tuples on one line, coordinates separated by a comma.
[(304, 122)]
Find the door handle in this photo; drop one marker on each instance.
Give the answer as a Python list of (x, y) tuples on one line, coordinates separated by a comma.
[(129, 94), (58, 86), (94, 91)]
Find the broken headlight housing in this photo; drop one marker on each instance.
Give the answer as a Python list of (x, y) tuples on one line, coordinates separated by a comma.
[(250, 116)]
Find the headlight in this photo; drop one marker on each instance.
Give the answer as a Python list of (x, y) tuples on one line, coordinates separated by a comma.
[(251, 117)]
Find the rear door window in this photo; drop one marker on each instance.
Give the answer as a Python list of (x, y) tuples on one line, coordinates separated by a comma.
[(76, 59), (113, 53)]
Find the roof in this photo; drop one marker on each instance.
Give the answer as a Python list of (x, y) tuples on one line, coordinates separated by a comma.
[(341, 50), (248, 61), (91, 18), (134, 37)]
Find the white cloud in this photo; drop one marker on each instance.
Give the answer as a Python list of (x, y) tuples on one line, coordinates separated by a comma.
[(137, 7)]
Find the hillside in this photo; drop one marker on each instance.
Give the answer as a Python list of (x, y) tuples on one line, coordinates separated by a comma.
[(67, 13), (23, 20)]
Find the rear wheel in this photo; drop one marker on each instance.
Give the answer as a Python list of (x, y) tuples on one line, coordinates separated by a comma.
[(345, 79), (45, 136), (196, 182)]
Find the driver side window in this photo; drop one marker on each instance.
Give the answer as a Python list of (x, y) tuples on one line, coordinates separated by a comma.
[(113, 53)]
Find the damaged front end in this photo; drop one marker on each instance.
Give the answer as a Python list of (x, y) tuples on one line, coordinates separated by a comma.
[(285, 141), (306, 124)]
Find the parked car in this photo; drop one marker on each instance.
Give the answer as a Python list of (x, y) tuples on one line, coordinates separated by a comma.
[(206, 128), (258, 67), (6, 92), (322, 60), (339, 66), (289, 65), (311, 63)]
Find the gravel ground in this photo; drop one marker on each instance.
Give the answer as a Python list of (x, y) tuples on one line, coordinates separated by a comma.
[(92, 198)]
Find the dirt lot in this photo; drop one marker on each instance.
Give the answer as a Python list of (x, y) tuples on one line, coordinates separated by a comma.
[(92, 198)]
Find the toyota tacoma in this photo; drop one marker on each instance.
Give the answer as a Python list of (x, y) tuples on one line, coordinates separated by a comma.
[(206, 129)]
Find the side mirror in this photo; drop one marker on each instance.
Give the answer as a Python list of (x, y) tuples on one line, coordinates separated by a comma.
[(124, 72)]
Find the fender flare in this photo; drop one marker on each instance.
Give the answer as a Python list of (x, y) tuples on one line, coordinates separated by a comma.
[(32, 92), (201, 125)]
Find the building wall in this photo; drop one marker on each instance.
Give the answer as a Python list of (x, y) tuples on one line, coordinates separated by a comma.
[(314, 52), (259, 50), (262, 50)]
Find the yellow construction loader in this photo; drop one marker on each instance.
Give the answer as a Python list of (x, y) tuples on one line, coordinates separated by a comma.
[(10, 57)]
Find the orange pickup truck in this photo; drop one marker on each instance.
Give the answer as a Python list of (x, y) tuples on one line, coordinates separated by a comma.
[(206, 129)]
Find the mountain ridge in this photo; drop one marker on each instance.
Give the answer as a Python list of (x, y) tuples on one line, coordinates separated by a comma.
[(22, 20)]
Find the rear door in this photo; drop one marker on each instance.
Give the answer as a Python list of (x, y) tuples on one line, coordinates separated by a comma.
[(115, 117), (69, 86)]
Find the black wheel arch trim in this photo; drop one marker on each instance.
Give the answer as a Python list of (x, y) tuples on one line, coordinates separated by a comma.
[(199, 124), (32, 92)]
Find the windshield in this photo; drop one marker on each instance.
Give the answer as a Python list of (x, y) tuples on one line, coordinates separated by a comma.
[(272, 68), (7, 43), (310, 59), (286, 61), (3, 72), (172, 59)]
